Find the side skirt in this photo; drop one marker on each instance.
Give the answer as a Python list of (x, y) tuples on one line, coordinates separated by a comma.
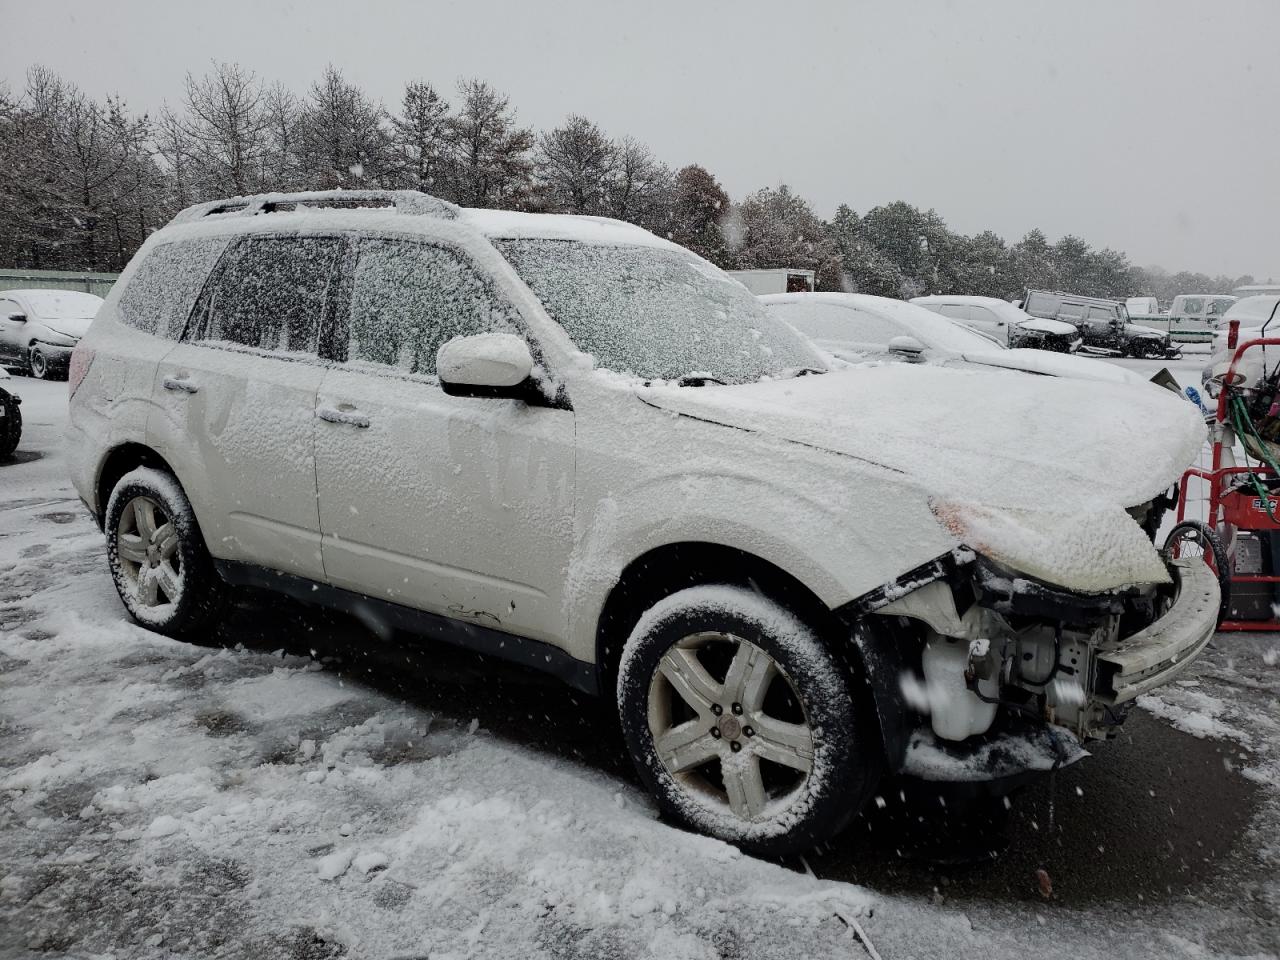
[(507, 646)]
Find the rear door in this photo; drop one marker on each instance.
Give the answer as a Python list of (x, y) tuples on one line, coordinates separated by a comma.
[(457, 505), (236, 398)]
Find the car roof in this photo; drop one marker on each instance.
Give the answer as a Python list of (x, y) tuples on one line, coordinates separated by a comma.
[(885, 306), (960, 298), (397, 210)]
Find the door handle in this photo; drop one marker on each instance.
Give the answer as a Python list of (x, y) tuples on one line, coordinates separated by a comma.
[(343, 413), (181, 384)]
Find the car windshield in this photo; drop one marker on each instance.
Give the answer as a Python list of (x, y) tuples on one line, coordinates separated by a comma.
[(658, 313), (62, 304)]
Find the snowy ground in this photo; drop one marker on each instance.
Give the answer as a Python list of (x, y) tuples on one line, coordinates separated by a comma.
[(395, 800)]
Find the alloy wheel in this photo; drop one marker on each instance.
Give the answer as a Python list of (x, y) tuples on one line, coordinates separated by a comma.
[(147, 546), (742, 743)]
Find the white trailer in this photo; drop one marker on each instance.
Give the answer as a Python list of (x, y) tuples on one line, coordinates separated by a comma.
[(781, 280)]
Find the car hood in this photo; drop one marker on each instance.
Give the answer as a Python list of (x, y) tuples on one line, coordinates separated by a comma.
[(1137, 329), (1055, 327), (69, 326), (1034, 472), (1057, 365)]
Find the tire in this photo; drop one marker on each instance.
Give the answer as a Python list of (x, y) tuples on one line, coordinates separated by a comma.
[(10, 425), (1193, 538), (157, 556), (684, 664), (38, 364)]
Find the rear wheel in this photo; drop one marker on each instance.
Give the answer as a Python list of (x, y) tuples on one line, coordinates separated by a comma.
[(742, 723), (157, 556), (10, 424), (1191, 538)]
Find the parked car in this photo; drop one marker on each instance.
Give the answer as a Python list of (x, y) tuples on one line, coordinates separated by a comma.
[(571, 443), (856, 327), (1004, 322), (10, 417), (1259, 317), (1104, 324), (39, 328), (1192, 318)]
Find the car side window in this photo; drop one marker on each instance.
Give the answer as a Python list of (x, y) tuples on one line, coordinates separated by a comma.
[(1100, 313), (956, 311), (8, 308), (1218, 307), (271, 293), (1193, 305), (1071, 311), (164, 287), (409, 298), (983, 315)]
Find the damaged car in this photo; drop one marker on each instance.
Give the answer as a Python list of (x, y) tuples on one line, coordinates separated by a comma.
[(568, 442)]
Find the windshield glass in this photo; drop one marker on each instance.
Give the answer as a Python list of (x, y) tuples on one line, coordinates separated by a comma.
[(657, 313), (62, 304)]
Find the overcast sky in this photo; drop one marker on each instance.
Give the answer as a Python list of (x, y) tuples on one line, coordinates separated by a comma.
[(1151, 127)]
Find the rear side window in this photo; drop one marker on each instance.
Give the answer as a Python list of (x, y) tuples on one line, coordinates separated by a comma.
[(408, 299), (831, 322), (1043, 305), (271, 294), (165, 286)]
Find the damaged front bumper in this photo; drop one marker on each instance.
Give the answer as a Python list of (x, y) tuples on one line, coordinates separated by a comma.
[(982, 673)]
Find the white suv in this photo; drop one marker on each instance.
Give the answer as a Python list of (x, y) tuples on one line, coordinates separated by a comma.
[(565, 441)]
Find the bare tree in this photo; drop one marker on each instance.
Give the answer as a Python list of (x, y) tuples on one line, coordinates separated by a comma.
[(491, 164), (224, 124), (280, 167), (343, 140), (574, 163), (421, 140), (639, 188)]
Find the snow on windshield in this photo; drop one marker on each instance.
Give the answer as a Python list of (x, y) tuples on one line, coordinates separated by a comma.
[(658, 314), (62, 304)]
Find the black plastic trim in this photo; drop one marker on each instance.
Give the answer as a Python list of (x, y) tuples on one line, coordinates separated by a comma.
[(507, 646)]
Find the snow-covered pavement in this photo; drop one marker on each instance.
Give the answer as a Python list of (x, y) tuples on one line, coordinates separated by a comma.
[(316, 792)]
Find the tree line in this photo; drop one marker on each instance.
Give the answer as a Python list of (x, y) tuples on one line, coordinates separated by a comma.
[(86, 181)]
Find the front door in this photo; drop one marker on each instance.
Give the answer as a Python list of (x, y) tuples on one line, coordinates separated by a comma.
[(236, 400), (459, 506)]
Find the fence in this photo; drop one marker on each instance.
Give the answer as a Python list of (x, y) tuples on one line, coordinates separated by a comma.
[(98, 283)]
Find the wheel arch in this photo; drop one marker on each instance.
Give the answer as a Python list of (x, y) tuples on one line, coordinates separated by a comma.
[(119, 461)]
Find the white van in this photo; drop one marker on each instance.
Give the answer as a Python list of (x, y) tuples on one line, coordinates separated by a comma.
[(1193, 317)]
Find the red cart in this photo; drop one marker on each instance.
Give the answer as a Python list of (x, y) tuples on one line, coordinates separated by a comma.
[(1239, 533)]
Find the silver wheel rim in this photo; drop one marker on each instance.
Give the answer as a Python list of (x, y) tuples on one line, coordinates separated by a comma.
[(718, 738), (147, 547), (37, 364)]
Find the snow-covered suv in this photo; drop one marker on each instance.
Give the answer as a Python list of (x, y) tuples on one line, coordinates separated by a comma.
[(565, 441)]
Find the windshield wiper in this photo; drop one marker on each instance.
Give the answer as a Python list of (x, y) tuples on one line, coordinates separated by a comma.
[(806, 371), (698, 380)]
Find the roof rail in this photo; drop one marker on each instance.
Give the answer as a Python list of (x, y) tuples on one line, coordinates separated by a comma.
[(409, 202)]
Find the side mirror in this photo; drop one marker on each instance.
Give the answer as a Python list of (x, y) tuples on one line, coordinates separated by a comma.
[(18, 317), (909, 346), (492, 365)]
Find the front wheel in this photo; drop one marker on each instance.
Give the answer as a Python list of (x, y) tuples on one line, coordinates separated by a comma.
[(157, 556), (742, 723)]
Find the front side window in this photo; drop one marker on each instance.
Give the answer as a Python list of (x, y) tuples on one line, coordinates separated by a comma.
[(657, 313), (1218, 307), (272, 294), (408, 299), (165, 285), (1100, 314)]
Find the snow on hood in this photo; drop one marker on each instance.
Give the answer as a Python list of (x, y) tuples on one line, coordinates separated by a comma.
[(1058, 365), (1034, 472), (68, 326), (1146, 331), (1056, 327)]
